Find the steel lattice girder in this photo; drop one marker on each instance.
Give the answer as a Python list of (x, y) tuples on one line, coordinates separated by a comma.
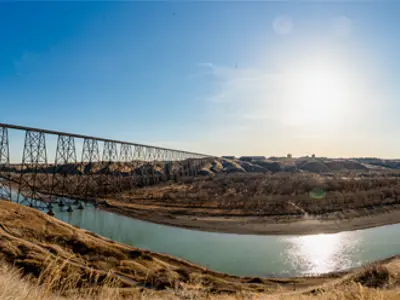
[(109, 179), (88, 183), (5, 184), (126, 153), (34, 171), (64, 180)]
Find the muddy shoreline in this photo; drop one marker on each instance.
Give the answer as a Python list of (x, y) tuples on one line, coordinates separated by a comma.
[(291, 225)]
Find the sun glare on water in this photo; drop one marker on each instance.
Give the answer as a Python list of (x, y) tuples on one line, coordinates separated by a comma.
[(322, 253)]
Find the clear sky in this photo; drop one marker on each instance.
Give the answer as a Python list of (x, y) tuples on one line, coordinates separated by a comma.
[(225, 78)]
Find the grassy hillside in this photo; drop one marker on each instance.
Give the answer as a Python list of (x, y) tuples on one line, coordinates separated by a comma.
[(13, 286), (56, 260)]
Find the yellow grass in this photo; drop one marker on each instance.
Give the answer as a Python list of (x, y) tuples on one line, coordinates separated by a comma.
[(14, 287), (43, 258)]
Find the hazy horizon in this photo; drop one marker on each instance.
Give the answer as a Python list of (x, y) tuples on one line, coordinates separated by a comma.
[(237, 78)]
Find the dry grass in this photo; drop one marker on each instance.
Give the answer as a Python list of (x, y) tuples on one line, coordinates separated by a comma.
[(15, 287), (43, 258)]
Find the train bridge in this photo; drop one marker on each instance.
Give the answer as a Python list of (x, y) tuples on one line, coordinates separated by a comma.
[(104, 168)]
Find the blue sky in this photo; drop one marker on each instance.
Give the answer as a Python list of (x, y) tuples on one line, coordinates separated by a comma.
[(262, 78)]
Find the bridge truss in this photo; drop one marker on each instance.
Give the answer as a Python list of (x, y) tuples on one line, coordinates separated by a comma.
[(105, 167)]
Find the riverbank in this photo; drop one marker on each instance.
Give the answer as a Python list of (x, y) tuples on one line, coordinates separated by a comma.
[(269, 204), (259, 225), (238, 197), (51, 250)]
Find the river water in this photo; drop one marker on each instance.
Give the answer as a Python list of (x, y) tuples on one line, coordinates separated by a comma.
[(245, 255)]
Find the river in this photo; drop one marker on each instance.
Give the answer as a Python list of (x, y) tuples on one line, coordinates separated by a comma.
[(245, 255)]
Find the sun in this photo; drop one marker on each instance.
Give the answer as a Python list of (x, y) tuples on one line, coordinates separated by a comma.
[(317, 93)]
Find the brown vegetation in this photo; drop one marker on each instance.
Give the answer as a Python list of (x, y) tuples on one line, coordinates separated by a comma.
[(231, 196), (59, 261), (15, 287), (261, 203)]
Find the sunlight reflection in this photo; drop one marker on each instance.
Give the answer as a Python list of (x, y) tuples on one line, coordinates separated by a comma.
[(322, 253)]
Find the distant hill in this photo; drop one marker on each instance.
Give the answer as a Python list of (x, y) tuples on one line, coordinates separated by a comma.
[(212, 166)]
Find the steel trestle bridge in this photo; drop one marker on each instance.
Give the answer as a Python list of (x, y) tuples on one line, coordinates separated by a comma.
[(105, 168)]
